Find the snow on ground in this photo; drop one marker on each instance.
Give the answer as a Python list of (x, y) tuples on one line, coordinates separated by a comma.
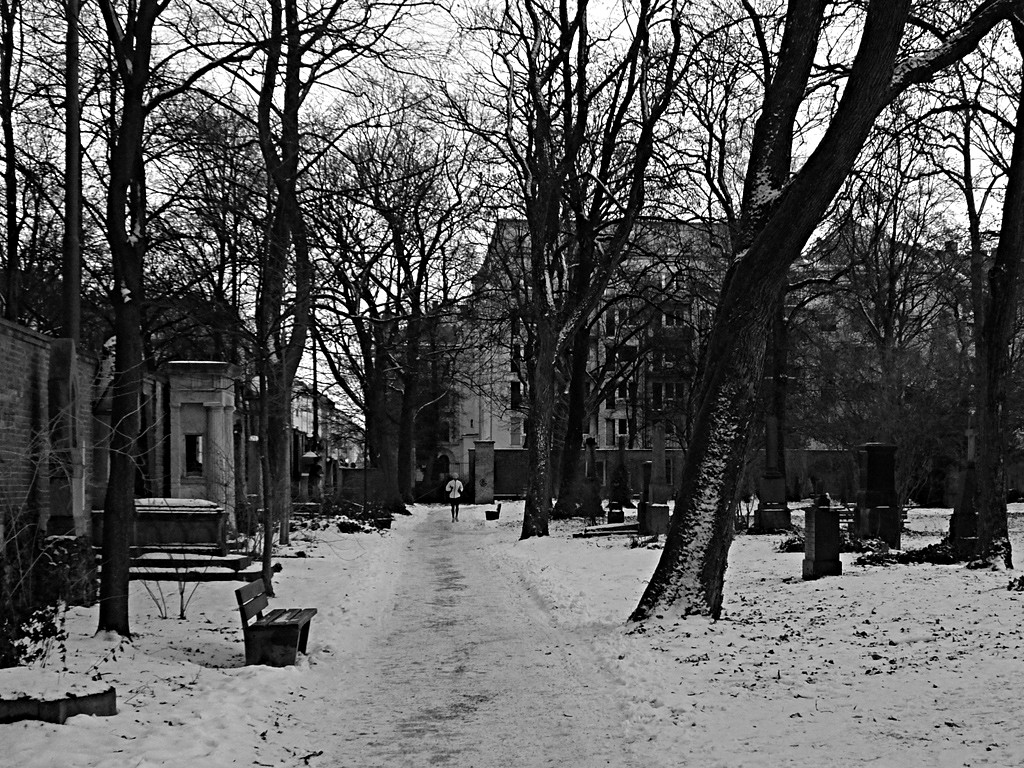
[(898, 666), (904, 665)]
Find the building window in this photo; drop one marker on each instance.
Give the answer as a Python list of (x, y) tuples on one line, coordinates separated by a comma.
[(609, 402), (193, 455), (623, 425), (515, 395), (609, 432), (623, 390), (673, 320), (517, 356), (656, 392), (516, 429)]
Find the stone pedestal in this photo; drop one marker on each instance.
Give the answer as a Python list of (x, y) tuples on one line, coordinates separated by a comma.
[(656, 520), (483, 471), (772, 513), (878, 514), (821, 545)]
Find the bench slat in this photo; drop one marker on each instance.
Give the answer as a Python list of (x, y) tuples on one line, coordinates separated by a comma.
[(250, 604), (282, 616)]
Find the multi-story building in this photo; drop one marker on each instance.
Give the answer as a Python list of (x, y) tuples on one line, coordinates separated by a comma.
[(644, 341)]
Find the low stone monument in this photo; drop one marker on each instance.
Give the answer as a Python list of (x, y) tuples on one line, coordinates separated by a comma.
[(821, 542)]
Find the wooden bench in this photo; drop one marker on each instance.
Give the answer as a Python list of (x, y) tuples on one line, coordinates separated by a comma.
[(276, 638)]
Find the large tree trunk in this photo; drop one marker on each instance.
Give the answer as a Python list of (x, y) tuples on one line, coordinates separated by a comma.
[(119, 503), (690, 575), (778, 390), (125, 221), (993, 360), (569, 474), (406, 444), (287, 231), (537, 511), (382, 439), (406, 458), (127, 242)]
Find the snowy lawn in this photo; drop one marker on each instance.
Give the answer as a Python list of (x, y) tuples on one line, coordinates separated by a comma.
[(889, 666), (897, 666)]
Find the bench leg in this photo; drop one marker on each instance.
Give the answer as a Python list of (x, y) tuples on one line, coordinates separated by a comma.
[(273, 646), (304, 636)]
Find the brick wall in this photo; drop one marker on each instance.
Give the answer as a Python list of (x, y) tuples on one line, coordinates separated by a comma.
[(24, 419)]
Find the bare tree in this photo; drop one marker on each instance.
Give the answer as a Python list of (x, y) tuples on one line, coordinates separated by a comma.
[(781, 214), (575, 113), (392, 217), (131, 36)]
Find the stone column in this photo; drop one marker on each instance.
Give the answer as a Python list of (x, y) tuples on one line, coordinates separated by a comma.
[(772, 513), (219, 460), (590, 507), (661, 488), (483, 477)]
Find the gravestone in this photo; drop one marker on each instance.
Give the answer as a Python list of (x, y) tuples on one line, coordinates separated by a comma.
[(652, 517), (878, 515), (821, 542), (615, 513)]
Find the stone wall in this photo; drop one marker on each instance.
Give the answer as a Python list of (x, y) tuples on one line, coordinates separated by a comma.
[(24, 420)]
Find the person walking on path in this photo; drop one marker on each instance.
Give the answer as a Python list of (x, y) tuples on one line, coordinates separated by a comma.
[(454, 489)]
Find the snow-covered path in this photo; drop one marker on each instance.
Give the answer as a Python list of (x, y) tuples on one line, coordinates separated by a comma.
[(464, 667)]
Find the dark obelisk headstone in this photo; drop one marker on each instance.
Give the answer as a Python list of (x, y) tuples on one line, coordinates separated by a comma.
[(878, 514), (821, 543)]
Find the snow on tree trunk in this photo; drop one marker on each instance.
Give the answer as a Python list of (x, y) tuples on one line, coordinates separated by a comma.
[(690, 575)]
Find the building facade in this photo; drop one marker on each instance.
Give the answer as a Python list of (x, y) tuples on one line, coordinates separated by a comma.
[(643, 347)]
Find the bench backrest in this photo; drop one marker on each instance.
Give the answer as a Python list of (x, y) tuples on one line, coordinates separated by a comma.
[(252, 599)]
